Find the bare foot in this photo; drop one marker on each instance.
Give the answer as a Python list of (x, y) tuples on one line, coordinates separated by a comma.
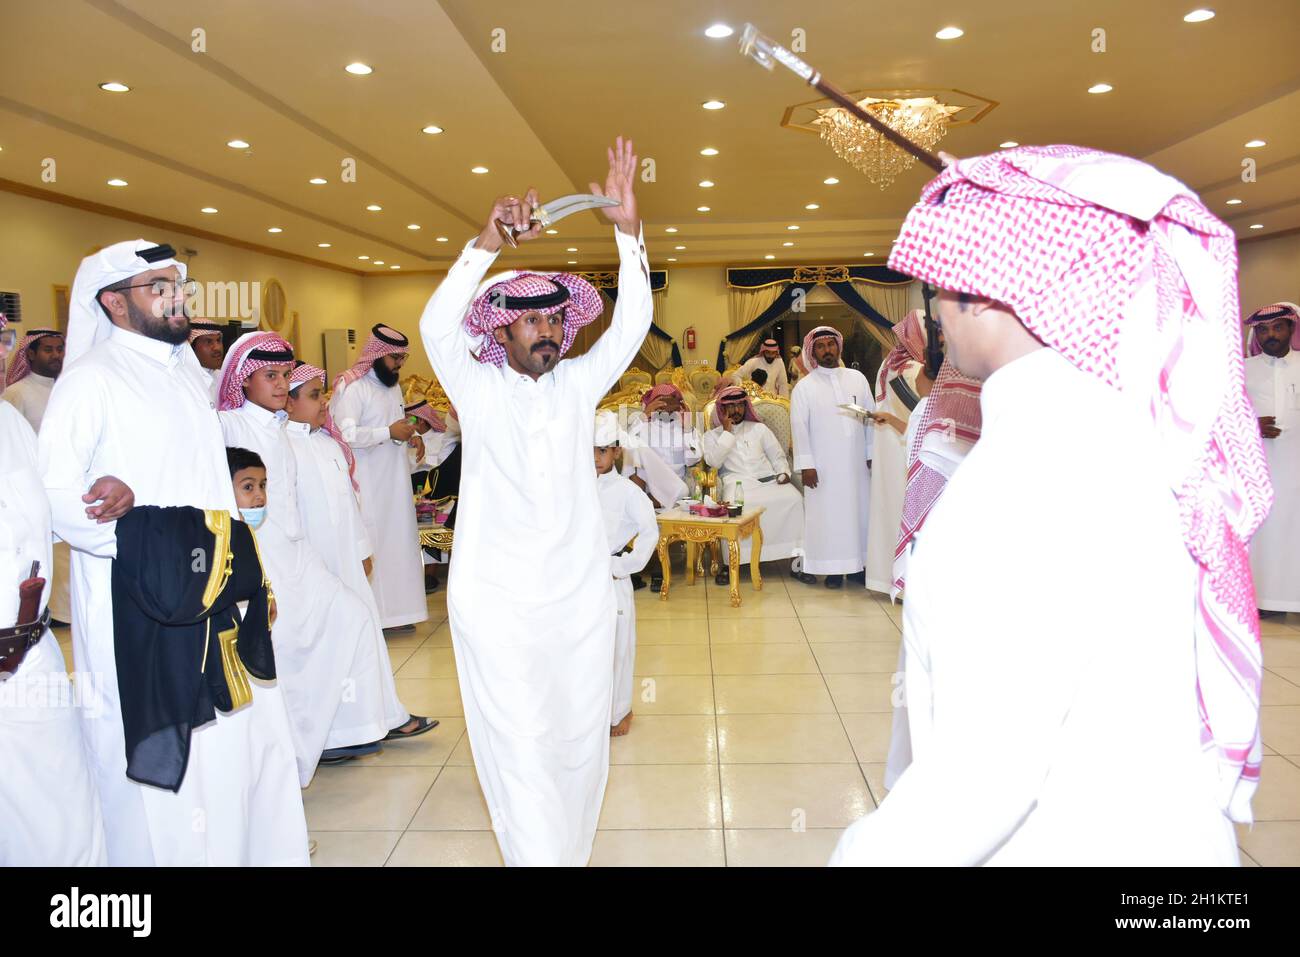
[(620, 729)]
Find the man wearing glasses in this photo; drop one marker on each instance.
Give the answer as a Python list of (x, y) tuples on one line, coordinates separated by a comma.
[(134, 406)]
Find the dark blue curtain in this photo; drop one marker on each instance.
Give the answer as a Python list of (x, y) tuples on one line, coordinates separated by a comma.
[(853, 299), (658, 279), (770, 314)]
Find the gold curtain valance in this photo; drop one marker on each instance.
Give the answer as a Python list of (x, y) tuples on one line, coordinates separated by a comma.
[(819, 274)]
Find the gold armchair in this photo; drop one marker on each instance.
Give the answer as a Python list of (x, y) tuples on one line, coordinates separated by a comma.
[(634, 377)]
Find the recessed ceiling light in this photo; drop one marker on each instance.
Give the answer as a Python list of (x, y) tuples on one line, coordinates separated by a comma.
[(317, 181), (208, 209), (573, 262), (413, 226), (708, 151), (374, 207), (1199, 16), (679, 248), (394, 267), (479, 169), (812, 206), (1257, 226), (237, 144), (275, 229), (432, 130), (868, 254), (1100, 88), (830, 181), (378, 262), (792, 227), (706, 184), (440, 239), (671, 229), (718, 31), (787, 244), (552, 232), (363, 257), (672, 259), (1009, 144), (1233, 202), (1255, 144), (949, 33), (114, 87), (359, 69), (701, 209), (769, 256), (323, 245), (572, 249), (713, 104), (117, 182)]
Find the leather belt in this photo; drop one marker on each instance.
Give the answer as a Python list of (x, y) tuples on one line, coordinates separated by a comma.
[(17, 641)]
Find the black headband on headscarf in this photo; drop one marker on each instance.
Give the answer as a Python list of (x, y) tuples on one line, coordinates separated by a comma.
[(378, 333), (523, 303)]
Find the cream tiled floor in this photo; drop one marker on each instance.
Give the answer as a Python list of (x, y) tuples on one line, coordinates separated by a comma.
[(760, 733)]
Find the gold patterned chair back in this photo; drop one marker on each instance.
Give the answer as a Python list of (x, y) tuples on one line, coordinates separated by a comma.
[(665, 375), (703, 381), (634, 377)]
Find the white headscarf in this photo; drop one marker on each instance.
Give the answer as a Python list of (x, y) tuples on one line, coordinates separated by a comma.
[(87, 321)]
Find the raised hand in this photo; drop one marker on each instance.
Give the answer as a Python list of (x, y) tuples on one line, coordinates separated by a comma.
[(618, 185)]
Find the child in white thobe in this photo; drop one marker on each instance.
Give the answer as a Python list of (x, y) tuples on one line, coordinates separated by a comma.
[(628, 514)]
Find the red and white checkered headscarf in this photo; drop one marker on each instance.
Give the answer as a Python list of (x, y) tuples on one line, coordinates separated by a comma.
[(19, 367), (302, 372), (806, 355), (201, 327), (732, 393), (505, 297), (662, 389), (1278, 310), (1125, 273), (251, 351), (422, 410), (949, 427), (909, 334), (383, 341)]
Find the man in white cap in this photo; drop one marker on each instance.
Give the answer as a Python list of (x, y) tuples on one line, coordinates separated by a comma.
[(832, 450), (367, 405), (209, 348), (769, 361), (134, 403), (530, 594), (50, 815)]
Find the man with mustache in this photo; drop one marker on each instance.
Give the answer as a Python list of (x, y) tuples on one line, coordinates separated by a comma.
[(1273, 381), (367, 406), (768, 361), (530, 596), (209, 348), (745, 452)]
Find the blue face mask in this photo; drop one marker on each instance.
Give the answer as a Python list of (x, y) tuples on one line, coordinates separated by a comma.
[(254, 516)]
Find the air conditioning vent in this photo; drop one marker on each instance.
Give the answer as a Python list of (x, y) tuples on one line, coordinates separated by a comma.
[(11, 305)]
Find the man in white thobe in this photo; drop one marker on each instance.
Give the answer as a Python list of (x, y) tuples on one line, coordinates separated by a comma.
[(752, 465), (661, 445), (209, 348), (327, 653), (631, 533), (134, 404), (367, 405), (832, 450), (36, 365), (901, 380), (770, 362), (1273, 382), (1074, 682), (51, 813), (530, 596)]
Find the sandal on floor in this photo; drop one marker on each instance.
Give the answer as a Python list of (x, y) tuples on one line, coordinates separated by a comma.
[(339, 755), (834, 581), (423, 725), (804, 577)]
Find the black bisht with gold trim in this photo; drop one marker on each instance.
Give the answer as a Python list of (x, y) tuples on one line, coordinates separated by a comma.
[(183, 649)]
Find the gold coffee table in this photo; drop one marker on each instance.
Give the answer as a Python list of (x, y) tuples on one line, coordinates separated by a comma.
[(679, 525)]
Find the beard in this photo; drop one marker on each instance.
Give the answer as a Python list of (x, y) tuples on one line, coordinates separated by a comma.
[(385, 375), (159, 327), (1277, 348)]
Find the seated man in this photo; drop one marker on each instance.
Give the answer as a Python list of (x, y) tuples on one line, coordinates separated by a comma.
[(753, 468)]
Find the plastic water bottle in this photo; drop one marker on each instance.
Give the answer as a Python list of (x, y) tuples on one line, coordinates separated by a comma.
[(738, 496)]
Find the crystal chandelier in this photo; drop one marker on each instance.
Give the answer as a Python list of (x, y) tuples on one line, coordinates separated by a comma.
[(923, 120)]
